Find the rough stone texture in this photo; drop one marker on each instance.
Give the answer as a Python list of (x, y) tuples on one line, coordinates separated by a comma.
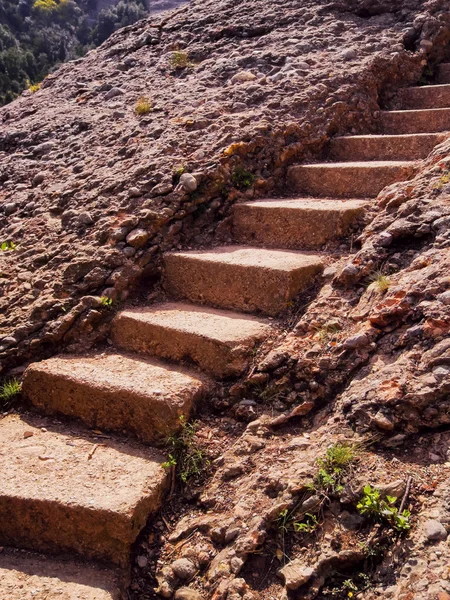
[(294, 223), (247, 279), (37, 578), (427, 96), (348, 179), (67, 490), (115, 392), (398, 122), (316, 69), (220, 342), (384, 147)]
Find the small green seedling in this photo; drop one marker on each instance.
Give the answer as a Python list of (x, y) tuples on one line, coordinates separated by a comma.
[(7, 246), (186, 455), (106, 302), (242, 179), (381, 509), (308, 525)]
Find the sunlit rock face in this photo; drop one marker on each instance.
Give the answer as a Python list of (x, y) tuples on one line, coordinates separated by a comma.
[(160, 5)]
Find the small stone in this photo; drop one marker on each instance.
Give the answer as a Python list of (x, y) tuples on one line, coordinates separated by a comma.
[(296, 574), (184, 568), (445, 297), (137, 238), (188, 182), (142, 561), (434, 530), (10, 208), (38, 179), (187, 594), (360, 340), (27, 434), (242, 77), (113, 92)]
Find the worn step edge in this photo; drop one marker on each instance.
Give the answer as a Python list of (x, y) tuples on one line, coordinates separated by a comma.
[(348, 179), (220, 342), (294, 223), (241, 278), (65, 489), (411, 146), (116, 392)]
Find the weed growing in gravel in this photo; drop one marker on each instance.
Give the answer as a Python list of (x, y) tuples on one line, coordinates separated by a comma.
[(308, 525), (445, 178), (106, 302), (332, 468), (326, 331), (381, 509), (7, 246), (178, 173), (242, 179), (143, 106), (380, 281), (9, 391), (185, 454), (180, 60)]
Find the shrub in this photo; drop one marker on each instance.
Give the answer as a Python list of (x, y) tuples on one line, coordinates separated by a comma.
[(180, 60), (35, 87), (143, 106)]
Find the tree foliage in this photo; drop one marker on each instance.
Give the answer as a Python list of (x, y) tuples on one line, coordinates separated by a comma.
[(37, 35)]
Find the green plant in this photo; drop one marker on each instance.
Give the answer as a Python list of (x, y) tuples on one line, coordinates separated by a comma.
[(375, 507), (332, 468), (180, 60), (35, 87), (9, 390), (143, 106), (178, 173), (308, 525), (106, 302), (242, 179), (185, 454), (445, 178), (7, 246), (380, 281), (326, 331)]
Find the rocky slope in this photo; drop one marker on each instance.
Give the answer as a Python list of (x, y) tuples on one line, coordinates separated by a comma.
[(92, 195)]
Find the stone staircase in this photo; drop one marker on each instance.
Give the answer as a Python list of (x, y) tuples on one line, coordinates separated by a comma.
[(83, 492)]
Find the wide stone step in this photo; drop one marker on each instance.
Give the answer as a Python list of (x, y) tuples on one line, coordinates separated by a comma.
[(241, 278), (294, 223), (30, 577), (384, 147), (427, 96), (220, 342), (115, 392), (414, 121), (443, 73), (348, 179), (65, 489)]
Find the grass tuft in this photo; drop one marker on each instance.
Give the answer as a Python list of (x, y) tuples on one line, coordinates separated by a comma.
[(9, 392)]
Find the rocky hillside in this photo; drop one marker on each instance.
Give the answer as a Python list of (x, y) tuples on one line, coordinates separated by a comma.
[(144, 146)]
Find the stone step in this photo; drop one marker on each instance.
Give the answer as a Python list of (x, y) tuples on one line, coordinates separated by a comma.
[(348, 179), (414, 121), (294, 223), (242, 278), (31, 577), (65, 489), (384, 147), (220, 342), (443, 73), (115, 392), (426, 96)]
